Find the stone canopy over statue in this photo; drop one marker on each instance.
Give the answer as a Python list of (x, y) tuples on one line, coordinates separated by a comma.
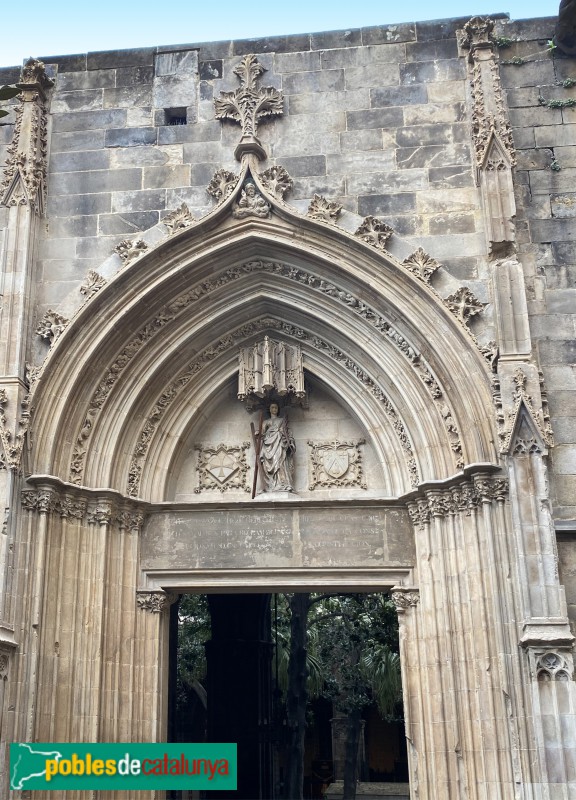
[(271, 371)]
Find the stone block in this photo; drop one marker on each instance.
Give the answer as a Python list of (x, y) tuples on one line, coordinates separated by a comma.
[(307, 61), (311, 123), (83, 100), (332, 40), (564, 252), (533, 73), (361, 140), (78, 140), (75, 227), (111, 59), (564, 428), (559, 351), (519, 98), (435, 201), (9, 75), (563, 205), (182, 61), (433, 156), (95, 181), (534, 159), (447, 92), (97, 247), (398, 96), (432, 71), (200, 152), (378, 204), (130, 137), (446, 247), (375, 118), (89, 120), (306, 165), (408, 180), (305, 144), (464, 269), (71, 63), (175, 91), (209, 70), (111, 224), (363, 56), (407, 225), (134, 76), (193, 196), (373, 161), (372, 76), (418, 135), (73, 81), (128, 96), (326, 102), (429, 31), (145, 156), (539, 116), (202, 174), (457, 223), (555, 136), (206, 91), (545, 180), (332, 186), (325, 80), (146, 200), (79, 204), (272, 44), (523, 138), (197, 132), (564, 458), (388, 34), (526, 28), (79, 160), (163, 177), (553, 230), (432, 50), (561, 301), (434, 113)]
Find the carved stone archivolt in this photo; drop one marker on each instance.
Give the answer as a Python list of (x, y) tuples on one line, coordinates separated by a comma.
[(155, 602), (375, 232), (204, 288), (90, 509), (222, 467), (179, 220), (249, 105), (231, 340), (130, 251), (51, 326), (336, 464), (463, 497), (25, 173)]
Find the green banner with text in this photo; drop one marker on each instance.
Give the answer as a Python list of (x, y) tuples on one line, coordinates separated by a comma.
[(104, 767)]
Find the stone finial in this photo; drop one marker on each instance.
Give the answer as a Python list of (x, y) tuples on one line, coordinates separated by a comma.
[(248, 105), (478, 31)]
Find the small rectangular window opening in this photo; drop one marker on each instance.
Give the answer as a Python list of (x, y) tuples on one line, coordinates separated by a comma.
[(175, 116)]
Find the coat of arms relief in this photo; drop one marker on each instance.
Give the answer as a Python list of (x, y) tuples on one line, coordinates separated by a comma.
[(336, 464)]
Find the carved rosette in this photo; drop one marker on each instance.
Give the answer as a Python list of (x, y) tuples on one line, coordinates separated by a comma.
[(277, 181), (94, 282), (464, 498), (222, 183), (249, 105), (179, 220), (155, 602), (51, 326), (421, 265), (323, 210), (25, 173), (222, 467), (336, 464), (130, 251), (374, 232), (404, 598)]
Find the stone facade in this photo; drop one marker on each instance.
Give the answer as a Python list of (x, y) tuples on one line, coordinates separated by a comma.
[(396, 201)]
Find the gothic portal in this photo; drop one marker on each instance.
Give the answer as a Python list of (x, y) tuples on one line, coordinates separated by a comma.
[(360, 242)]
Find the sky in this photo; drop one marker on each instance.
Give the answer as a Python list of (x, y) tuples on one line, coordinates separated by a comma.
[(61, 27)]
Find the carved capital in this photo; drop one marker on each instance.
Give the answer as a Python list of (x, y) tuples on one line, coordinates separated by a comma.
[(155, 602), (100, 514), (404, 598)]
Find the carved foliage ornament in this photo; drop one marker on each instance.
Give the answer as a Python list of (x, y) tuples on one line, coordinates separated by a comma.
[(464, 305), (179, 220), (249, 104), (404, 599), (94, 511), (375, 232), (421, 265), (51, 326), (155, 602), (323, 210), (462, 498), (222, 467), (94, 282), (336, 464), (277, 181), (222, 183), (130, 251)]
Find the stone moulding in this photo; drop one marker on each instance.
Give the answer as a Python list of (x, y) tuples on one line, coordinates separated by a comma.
[(11, 448), (463, 497), (84, 508), (230, 341), (204, 288)]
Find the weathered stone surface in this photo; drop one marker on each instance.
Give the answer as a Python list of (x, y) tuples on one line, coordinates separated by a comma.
[(130, 137), (375, 118)]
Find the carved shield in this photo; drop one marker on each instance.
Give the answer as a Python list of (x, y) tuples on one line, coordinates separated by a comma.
[(222, 466), (336, 462)]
